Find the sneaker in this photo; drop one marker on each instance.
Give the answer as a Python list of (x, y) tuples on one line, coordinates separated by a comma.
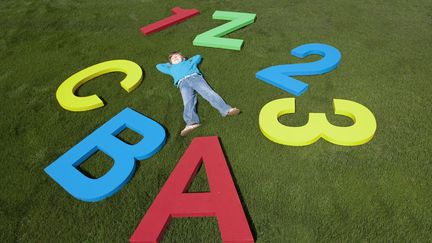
[(188, 129), (233, 112)]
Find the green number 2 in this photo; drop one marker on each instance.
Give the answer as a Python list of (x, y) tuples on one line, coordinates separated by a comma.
[(213, 37)]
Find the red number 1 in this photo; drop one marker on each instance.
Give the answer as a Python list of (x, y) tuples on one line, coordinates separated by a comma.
[(179, 15)]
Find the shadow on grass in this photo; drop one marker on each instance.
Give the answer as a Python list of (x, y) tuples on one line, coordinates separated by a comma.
[(240, 194)]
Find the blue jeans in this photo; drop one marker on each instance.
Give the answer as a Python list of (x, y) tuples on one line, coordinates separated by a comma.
[(189, 88)]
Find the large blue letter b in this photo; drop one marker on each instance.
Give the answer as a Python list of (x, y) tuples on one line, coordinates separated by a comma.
[(64, 170)]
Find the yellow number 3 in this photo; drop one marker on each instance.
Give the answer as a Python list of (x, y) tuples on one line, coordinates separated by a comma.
[(359, 133)]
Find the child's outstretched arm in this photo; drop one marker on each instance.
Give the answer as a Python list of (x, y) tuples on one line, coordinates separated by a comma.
[(196, 59), (164, 68)]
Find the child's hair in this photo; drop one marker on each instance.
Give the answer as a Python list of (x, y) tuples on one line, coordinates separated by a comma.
[(173, 53)]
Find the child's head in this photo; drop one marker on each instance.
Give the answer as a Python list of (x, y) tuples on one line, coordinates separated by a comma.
[(176, 57)]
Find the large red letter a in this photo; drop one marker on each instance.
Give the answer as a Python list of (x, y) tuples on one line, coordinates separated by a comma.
[(173, 200)]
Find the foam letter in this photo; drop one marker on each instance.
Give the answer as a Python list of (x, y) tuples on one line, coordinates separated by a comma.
[(69, 101), (64, 170), (179, 15), (212, 38), (222, 201)]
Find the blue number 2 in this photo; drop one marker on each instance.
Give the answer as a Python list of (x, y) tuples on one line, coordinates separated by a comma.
[(280, 75)]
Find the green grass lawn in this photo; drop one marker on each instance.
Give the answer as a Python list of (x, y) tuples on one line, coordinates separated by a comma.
[(380, 191)]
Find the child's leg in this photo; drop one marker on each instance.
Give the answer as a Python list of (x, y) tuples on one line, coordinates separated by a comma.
[(202, 87), (189, 97)]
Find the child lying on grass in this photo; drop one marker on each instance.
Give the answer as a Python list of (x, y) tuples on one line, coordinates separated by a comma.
[(187, 77)]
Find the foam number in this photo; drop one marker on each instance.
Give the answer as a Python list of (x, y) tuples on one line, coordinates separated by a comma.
[(279, 75), (179, 15), (213, 37), (69, 101), (359, 133)]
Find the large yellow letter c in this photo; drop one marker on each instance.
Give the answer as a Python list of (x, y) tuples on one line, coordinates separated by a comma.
[(69, 101)]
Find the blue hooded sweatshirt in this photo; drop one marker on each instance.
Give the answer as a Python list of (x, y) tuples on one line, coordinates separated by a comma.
[(182, 69)]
